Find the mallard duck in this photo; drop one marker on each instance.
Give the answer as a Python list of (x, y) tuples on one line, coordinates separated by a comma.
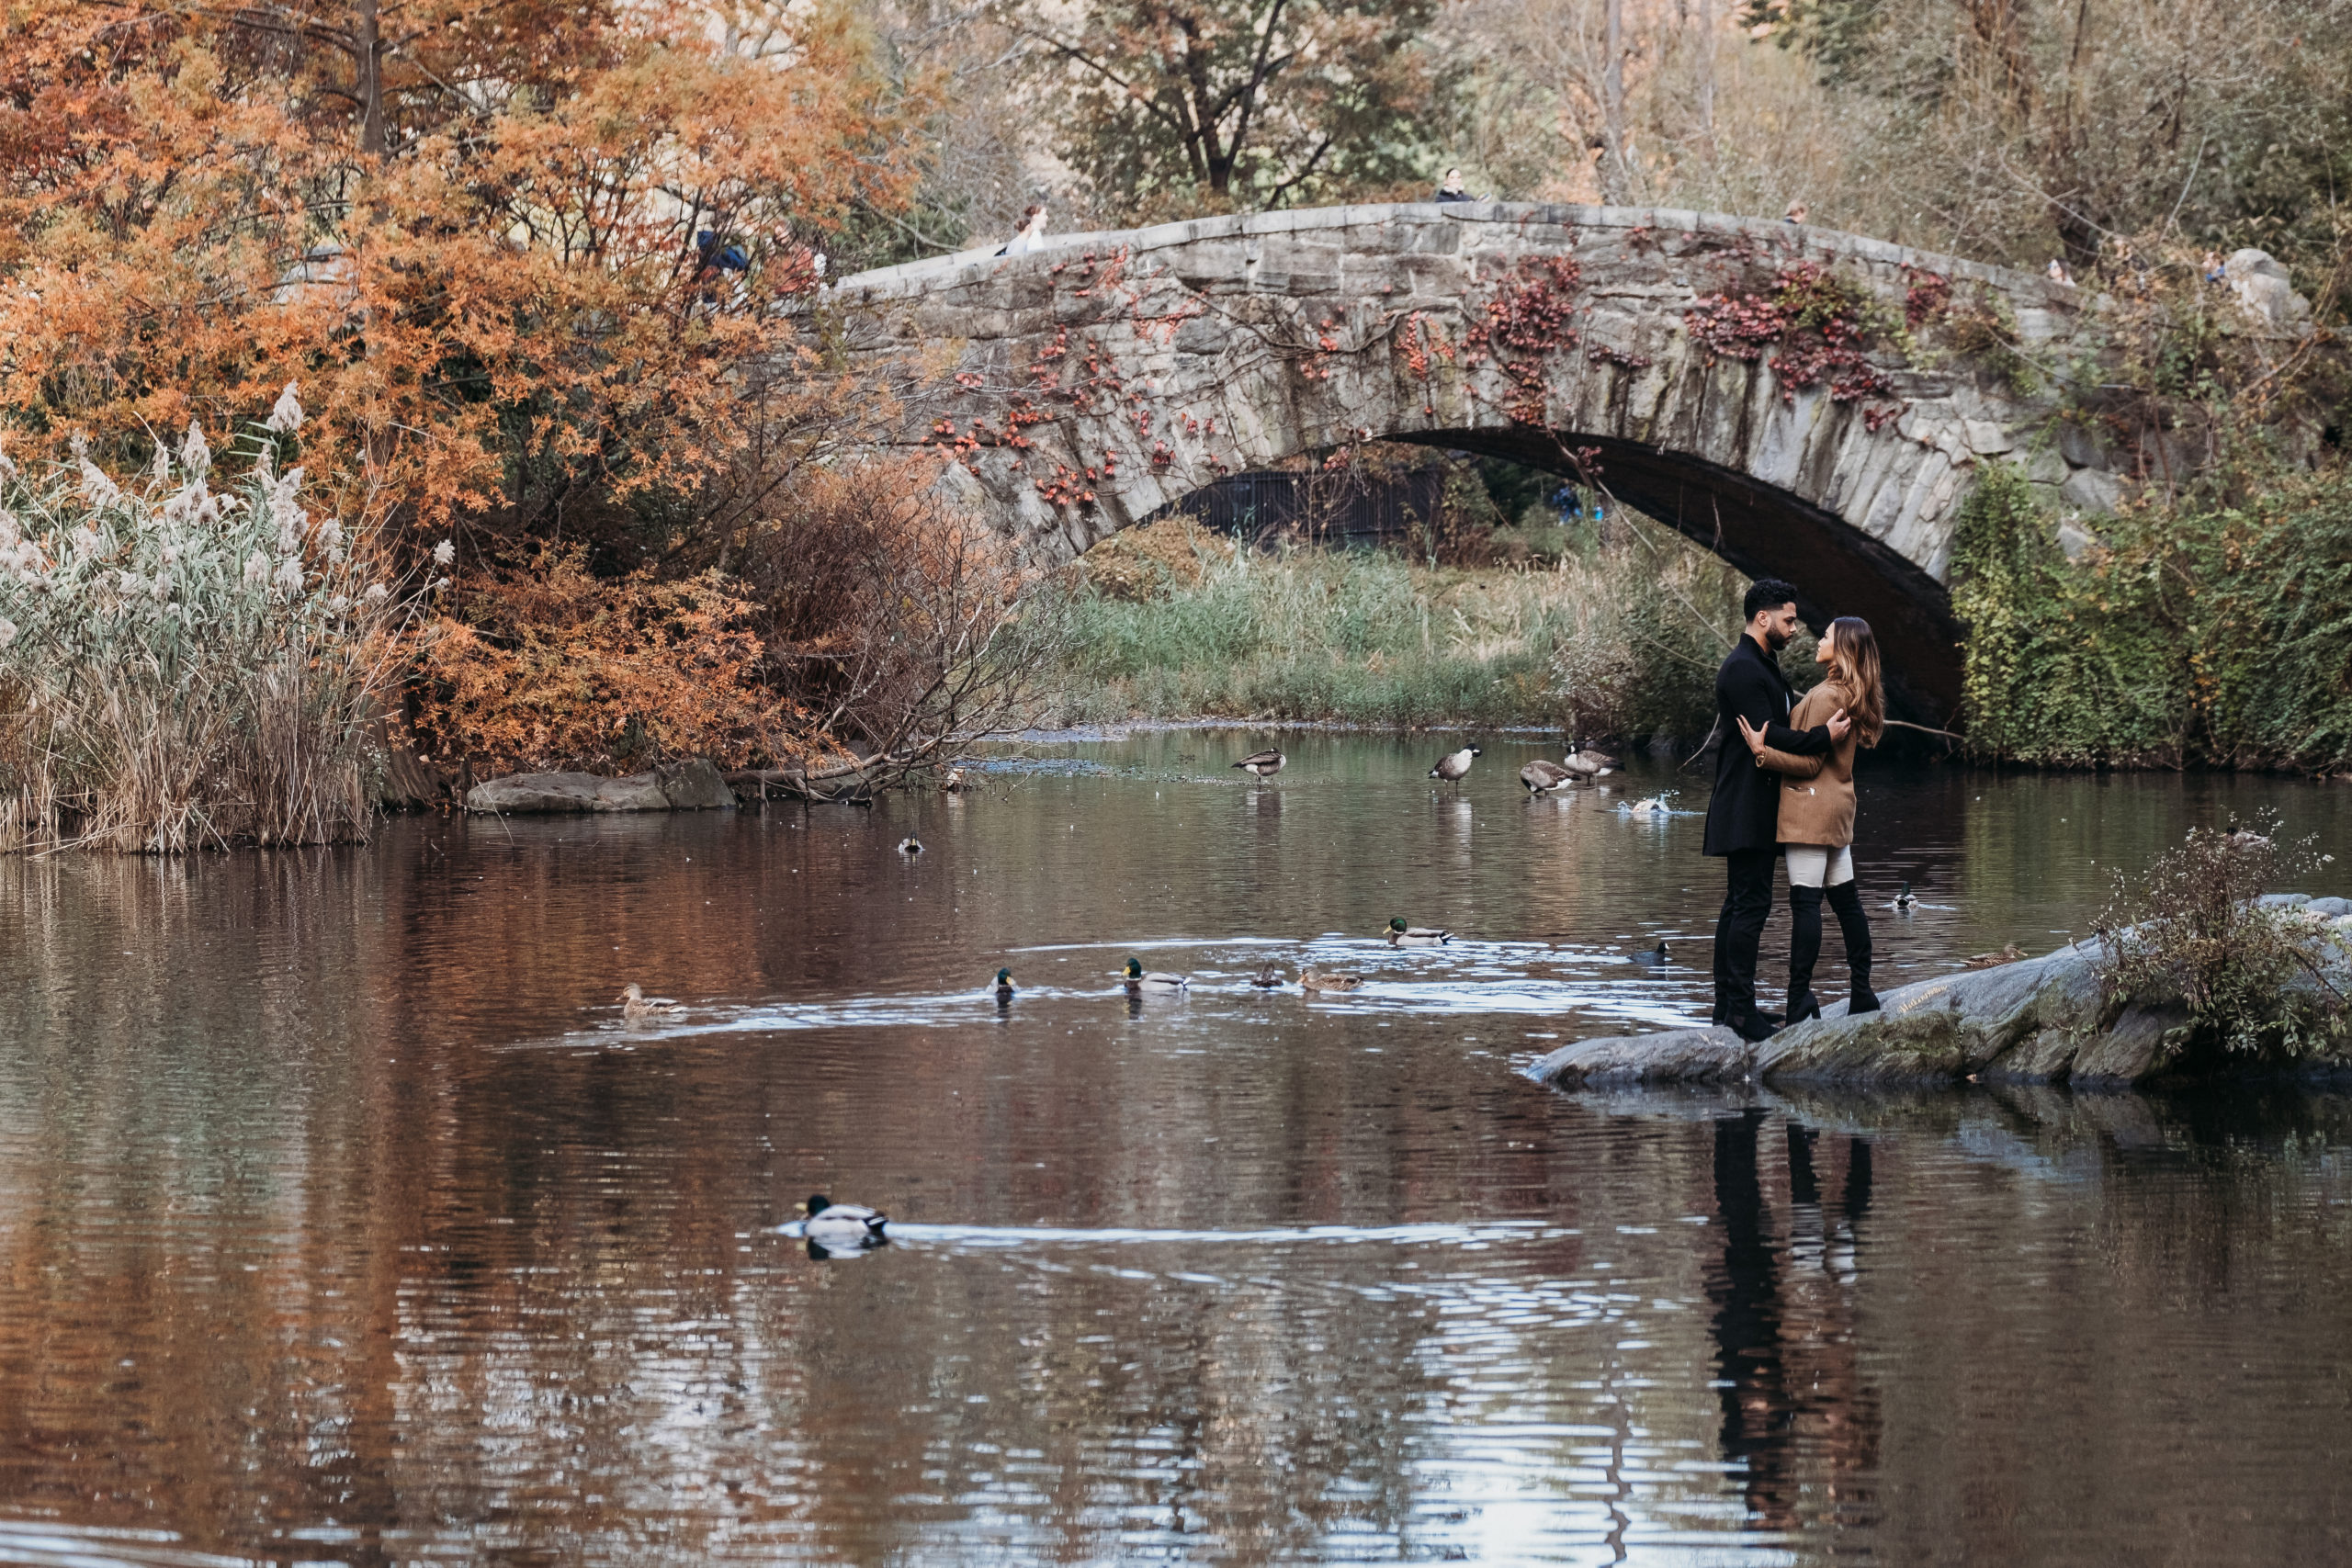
[(1142, 979), (1399, 934), (1453, 765), (910, 845), (1004, 985), (635, 1008), (1269, 978), (1321, 980), (1651, 955), (842, 1227), (2008, 954), (1542, 777), (1902, 898), (1262, 765)]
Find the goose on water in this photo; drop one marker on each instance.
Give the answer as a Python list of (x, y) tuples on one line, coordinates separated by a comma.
[(1584, 761), (842, 1227), (1261, 764), (1453, 765), (910, 845), (1541, 777), (1141, 979), (1650, 806), (1321, 980), (1399, 934)]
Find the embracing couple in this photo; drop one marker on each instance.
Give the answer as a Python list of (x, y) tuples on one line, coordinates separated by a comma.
[(1790, 789)]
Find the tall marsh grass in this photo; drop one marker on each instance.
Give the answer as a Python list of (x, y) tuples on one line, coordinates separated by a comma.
[(1173, 622), (181, 668)]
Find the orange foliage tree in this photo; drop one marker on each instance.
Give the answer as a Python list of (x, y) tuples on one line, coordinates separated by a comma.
[(473, 231)]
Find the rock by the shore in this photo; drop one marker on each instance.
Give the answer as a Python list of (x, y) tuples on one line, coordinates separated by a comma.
[(2035, 1021), (694, 785)]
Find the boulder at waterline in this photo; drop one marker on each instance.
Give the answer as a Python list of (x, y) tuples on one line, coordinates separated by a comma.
[(694, 785), (2037, 1021)]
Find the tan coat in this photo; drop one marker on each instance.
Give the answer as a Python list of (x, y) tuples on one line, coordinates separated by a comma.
[(1816, 793)]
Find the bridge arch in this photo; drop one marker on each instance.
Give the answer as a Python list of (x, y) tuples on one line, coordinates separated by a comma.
[(1803, 403)]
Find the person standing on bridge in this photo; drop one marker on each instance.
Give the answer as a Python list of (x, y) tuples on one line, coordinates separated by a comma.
[(1030, 235), (1742, 815)]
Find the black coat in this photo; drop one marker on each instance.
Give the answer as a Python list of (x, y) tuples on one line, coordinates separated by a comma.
[(1744, 811)]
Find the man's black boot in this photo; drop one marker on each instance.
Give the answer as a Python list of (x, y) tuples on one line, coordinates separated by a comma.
[(1804, 952), (1846, 902)]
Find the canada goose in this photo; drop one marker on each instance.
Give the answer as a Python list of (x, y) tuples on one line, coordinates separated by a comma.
[(2008, 954), (1542, 777), (1399, 934), (1267, 979), (1004, 985), (1453, 764), (1651, 955), (842, 1227), (1262, 765), (910, 845), (1902, 898), (635, 1009), (1140, 979), (1583, 759), (1649, 806), (1320, 980)]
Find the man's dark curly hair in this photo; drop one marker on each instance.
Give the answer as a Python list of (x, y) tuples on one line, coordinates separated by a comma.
[(1769, 593)]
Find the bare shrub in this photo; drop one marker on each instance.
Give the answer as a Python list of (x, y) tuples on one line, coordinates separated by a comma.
[(2194, 932), (181, 668)]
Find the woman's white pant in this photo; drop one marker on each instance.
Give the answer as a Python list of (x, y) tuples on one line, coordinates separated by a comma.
[(1813, 865)]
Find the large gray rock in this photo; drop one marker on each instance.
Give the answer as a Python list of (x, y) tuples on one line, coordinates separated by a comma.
[(2263, 287), (691, 786), (2039, 1020)]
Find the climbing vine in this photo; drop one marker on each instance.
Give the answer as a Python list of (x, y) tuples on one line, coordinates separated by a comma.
[(1813, 325)]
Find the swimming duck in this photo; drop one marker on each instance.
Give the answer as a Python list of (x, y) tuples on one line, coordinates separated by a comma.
[(842, 1227), (910, 845), (1902, 898), (1004, 985), (1321, 980), (1261, 764), (635, 1009), (1650, 806), (1141, 979), (953, 783), (1267, 979), (2008, 954), (1399, 934), (1541, 777), (1651, 955), (1453, 764)]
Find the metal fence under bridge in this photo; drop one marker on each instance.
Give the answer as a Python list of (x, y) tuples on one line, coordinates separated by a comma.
[(1342, 509)]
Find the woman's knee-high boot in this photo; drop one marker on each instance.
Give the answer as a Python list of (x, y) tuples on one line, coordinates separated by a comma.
[(1847, 900), (1804, 950)]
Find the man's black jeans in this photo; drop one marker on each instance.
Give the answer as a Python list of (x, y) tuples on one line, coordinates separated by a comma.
[(1747, 899)]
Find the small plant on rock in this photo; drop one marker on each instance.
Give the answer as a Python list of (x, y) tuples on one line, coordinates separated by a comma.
[(2194, 932)]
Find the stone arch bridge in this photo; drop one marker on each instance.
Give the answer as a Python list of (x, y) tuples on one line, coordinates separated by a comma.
[(1808, 405)]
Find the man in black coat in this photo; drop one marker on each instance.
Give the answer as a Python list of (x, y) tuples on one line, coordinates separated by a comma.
[(1743, 816)]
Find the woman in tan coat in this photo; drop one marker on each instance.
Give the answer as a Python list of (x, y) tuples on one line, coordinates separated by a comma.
[(1817, 827)]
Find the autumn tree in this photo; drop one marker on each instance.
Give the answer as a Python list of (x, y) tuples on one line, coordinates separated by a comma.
[(532, 265), (1175, 105)]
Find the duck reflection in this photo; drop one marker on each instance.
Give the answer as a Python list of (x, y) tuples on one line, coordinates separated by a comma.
[(1796, 1415)]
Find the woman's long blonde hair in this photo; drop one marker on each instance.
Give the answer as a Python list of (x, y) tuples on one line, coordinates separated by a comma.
[(1858, 670)]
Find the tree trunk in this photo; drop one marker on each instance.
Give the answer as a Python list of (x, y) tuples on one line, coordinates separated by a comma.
[(1707, 21), (1612, 110), (370, 70)]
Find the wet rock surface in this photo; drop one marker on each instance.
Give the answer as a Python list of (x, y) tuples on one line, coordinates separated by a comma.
[(694, 785), (2038, 1020)]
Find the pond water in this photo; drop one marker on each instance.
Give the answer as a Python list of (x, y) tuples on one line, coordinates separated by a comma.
[(342, 1220)]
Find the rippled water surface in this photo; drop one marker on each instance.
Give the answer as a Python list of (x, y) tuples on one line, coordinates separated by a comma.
[(344, 1221)]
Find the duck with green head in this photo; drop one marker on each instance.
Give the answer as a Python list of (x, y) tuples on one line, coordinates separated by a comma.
[(1399, 934), (1004, 985), (1138, 978)]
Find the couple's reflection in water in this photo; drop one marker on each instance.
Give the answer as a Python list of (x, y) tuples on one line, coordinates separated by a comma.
[(1796, 1415)]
